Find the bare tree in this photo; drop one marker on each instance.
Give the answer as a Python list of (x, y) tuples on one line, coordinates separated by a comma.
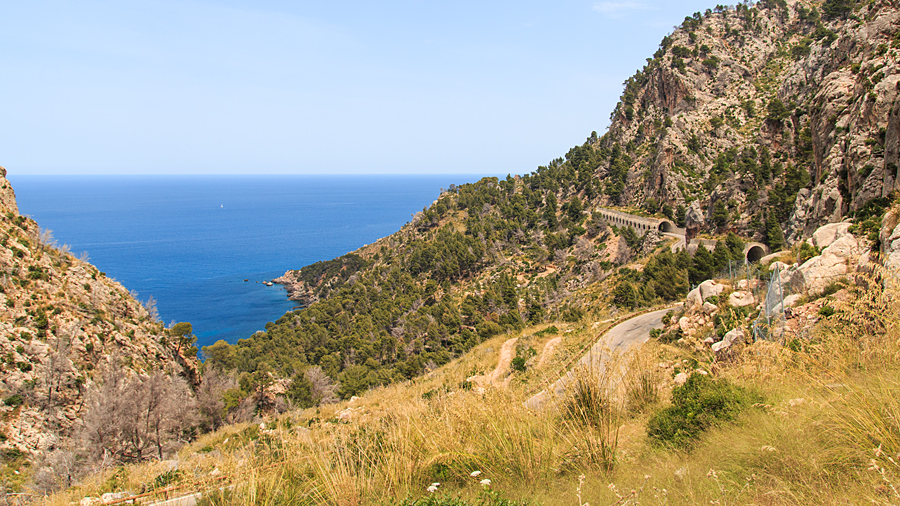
[(58, 469), (210, 397), (133, 419), (323, 389)]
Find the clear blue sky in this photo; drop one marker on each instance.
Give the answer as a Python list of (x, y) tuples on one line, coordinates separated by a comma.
[(230, 86)]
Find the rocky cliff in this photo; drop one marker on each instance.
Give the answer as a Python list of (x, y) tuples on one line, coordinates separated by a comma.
[(787, 108), (61, 322)]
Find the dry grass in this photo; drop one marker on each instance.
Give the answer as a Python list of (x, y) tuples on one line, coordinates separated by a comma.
[(828, 432)]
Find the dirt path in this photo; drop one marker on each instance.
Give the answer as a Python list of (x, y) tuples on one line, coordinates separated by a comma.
[(548, 351), (507, 352)]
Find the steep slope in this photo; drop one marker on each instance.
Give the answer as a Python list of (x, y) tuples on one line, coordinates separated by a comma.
[(765, 121), (786, 108), (62, 323)]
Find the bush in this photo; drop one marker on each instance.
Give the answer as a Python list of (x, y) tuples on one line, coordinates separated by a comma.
[(14, 400), (699, 404)]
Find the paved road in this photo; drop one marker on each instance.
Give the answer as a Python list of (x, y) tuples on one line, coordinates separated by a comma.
[(679, 244), (618, 339)]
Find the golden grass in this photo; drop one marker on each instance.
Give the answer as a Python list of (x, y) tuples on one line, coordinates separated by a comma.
[(827, 433)]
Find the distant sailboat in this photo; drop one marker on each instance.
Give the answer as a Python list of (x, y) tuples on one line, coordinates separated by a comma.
[(223, 205)]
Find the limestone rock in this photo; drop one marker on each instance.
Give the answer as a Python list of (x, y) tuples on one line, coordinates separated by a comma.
[(709, 308), (826, 235), (693, 300), (741, 299), (733, 337), (710, 288), (834, 262), (681, 378)]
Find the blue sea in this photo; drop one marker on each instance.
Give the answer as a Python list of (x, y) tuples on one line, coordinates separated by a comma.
[(191, 241)]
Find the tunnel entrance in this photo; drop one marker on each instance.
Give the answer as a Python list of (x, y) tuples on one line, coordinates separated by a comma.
[(755, 253), (666, 226)]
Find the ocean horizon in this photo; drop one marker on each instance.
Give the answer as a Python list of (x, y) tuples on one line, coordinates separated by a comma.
[(191, 241)]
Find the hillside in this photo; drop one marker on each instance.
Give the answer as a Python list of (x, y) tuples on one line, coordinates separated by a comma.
[(65, 326), (754, 123), (763, 122)]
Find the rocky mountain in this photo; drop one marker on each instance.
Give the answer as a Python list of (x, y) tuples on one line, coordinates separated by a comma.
[(763, 121), (62, 324), (787, 108)]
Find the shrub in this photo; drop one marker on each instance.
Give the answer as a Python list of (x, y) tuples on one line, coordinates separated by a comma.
[(699, 404), (14, 400)]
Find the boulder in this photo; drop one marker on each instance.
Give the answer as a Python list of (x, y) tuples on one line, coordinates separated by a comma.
[(681, 378), (825, 235), (791, 300), (817, 272), (710, 288), (733, 337), (741, 299), (693, 299), (890, 240), (709, 308)]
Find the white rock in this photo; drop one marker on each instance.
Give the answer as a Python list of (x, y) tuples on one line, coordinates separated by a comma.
[(741, 299), (710, 288), (827, 234), (845, 247), (710, 308), (791, 300), (681, 378), (693, 299), (684, 323), (733, 337), (114, 496)]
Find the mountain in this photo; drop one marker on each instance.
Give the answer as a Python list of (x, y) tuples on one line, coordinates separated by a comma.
[(786, 107), (760, 121)]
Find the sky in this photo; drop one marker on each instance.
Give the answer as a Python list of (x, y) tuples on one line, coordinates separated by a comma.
[(296, 87)]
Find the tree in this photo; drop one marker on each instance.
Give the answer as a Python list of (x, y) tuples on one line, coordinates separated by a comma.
[(774, 234), (625, 295), (720, 214), (184, 337)]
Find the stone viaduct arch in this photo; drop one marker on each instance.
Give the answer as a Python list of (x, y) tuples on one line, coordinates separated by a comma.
[(753, 251), (640, 224)]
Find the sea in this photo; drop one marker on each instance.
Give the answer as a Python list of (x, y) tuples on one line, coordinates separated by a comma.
[(203, 246)]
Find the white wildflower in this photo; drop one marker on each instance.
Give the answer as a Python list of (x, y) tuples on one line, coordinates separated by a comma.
[(485, 482), (433, 488), (475, 473)]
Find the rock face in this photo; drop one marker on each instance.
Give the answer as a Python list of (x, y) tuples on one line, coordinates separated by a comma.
[(61, 320), (762, 109)]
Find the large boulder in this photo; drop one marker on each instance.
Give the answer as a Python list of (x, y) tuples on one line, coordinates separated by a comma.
[(834, 262), (710, 288), (826, 235), (693, 300), (741, 298)]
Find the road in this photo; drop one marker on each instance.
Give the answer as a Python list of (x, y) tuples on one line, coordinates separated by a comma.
[(617, 340), (679, 244)]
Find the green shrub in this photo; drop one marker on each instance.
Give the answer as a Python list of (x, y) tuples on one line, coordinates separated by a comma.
[(699, 404), (826, 311), (14, 400)]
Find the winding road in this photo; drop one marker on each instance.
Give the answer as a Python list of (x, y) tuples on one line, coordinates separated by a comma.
[(617, 340)]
